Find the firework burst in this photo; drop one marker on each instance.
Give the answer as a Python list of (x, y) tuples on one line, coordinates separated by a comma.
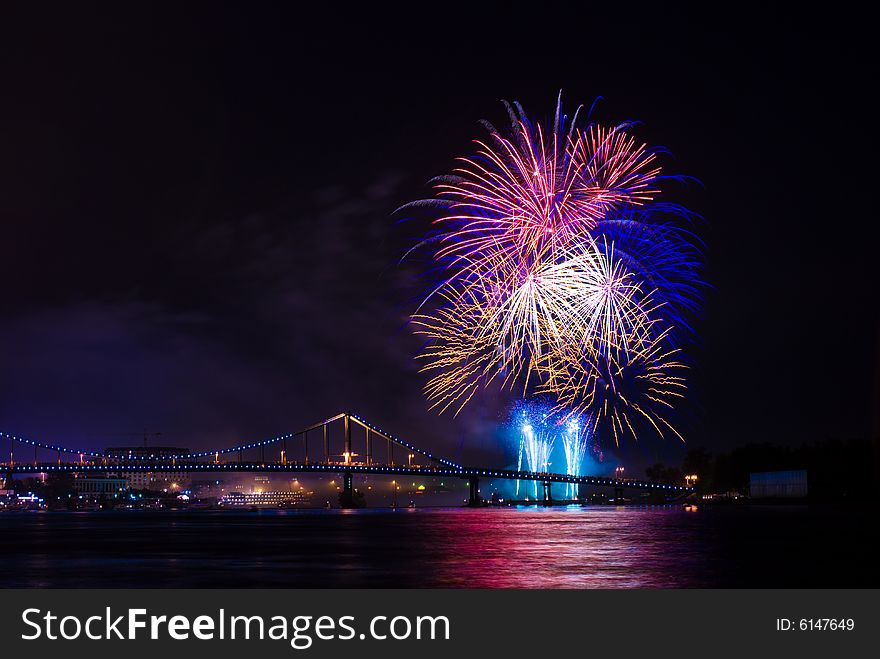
[(618, 395), (561, 274), (532, 194)]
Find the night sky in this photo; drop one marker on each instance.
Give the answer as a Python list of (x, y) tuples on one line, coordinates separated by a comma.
[(197, 229)]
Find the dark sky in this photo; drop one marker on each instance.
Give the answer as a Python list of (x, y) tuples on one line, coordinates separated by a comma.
[(196, 229)]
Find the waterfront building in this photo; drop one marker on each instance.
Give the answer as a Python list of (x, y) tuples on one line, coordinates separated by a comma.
[(98, 484), (778, 484), (150, 480)]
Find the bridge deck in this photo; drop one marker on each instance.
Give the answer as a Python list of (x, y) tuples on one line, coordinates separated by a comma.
[(334, 468)]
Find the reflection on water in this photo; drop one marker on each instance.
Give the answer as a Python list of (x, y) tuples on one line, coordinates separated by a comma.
[(591, 547)]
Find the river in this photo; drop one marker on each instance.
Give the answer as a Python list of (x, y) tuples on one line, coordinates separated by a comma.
[(528, 547)]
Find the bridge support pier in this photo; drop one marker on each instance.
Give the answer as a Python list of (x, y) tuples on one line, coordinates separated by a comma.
[(548, 494), (618, 494), (474, 499), (346, 497)]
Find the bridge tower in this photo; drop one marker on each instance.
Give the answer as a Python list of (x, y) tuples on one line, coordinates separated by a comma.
[(346, 451)]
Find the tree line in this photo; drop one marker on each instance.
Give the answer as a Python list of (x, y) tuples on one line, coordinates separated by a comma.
[(836, 469)]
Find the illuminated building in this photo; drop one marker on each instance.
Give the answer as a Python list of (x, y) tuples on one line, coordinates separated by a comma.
[(98, 484), (151, 480)]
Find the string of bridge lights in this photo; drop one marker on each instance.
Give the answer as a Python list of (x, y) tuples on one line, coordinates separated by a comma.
[(51, 447), (402, 442), (359, 469), (241, 447)]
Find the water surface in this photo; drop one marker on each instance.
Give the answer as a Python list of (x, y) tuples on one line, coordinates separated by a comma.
[(589, 547)]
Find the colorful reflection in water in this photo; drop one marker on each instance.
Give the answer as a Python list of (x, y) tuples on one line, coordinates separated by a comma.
[(592, 547)]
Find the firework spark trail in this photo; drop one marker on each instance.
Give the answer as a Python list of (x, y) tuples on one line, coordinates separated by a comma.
[(561, 274), (642, 387), (504, 325), (519, 461), (536, 194), (574, 446)]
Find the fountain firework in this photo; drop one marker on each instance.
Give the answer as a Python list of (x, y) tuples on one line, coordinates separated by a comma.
[(537, 446), (574, 445), (537, 435)]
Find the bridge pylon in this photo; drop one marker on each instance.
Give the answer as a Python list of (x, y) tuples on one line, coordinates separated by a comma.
[(346, 451)]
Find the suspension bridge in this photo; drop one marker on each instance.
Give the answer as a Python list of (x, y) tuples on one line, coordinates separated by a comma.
[(344, 444)]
